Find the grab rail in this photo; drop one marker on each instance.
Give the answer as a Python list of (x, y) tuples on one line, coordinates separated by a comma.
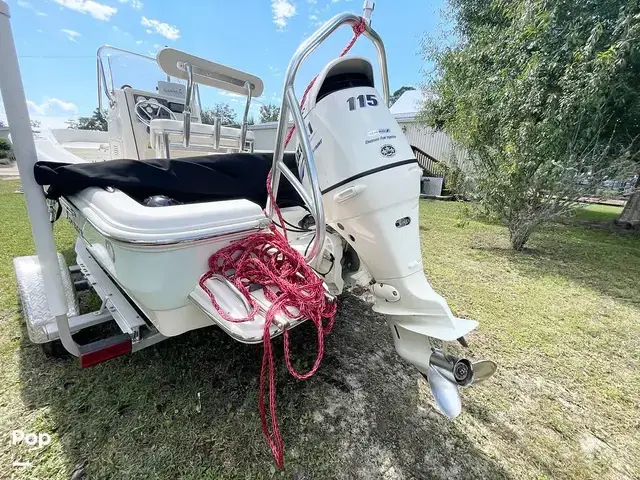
[(291, 105), (245, 116), (186, 112)]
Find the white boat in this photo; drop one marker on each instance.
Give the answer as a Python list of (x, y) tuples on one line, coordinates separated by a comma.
[(176, 191), (147, 124), (73, 145), (134, 244)]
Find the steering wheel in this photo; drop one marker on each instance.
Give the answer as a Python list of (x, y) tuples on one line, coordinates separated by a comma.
[(142, 108)]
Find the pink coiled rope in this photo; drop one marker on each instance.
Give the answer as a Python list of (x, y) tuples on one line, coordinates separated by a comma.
[(267, 259)]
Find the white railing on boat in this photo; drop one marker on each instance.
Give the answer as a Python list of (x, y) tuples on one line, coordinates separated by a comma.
[(291, 105)]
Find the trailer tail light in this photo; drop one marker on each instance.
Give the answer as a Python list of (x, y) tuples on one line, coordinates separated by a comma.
[(106, 349)]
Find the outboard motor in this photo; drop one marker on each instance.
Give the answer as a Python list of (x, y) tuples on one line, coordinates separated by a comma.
[(370, 184)]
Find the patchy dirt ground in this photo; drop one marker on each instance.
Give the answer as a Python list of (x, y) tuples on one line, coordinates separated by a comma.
[(562, 321)]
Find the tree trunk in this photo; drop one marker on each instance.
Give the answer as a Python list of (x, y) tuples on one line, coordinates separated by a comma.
[(630, 216), (518, 236)]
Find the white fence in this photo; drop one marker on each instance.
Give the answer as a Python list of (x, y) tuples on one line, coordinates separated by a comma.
[(435, 144)]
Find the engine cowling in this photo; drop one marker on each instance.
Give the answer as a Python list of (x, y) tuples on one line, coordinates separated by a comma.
[(352, 132), (368, 174)]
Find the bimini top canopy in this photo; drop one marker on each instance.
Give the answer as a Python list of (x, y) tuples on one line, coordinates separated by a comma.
[(206, 72)]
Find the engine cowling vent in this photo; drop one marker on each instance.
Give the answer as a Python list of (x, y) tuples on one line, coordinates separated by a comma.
[(340, 74), (343, 81)]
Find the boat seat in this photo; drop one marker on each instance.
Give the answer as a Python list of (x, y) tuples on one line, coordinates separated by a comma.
[(216, 177), (202, 137), (162, 125)]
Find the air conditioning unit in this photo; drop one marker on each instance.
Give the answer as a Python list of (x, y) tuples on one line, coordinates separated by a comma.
[(431, 186)]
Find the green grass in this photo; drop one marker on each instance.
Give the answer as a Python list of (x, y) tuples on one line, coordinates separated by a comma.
[(597, 213), (561, 319)]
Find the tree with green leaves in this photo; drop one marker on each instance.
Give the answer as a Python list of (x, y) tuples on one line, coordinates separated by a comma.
[(398, 93), (5, 148), (545, 96), (97, 121), (222, 110), (6, 152), (269, 113)]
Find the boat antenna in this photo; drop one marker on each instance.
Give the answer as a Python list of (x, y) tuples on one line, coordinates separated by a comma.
[(367, 10)]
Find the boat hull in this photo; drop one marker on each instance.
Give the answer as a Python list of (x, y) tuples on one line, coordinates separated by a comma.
[(159, 273), (158, 280)]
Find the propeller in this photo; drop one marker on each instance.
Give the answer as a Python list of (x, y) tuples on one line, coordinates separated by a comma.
[(446, 374), (445, 392), (482, 370)]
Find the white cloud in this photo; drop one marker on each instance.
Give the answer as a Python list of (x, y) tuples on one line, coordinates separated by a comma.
[(283, 10), (154, 50), (28, 6), (275, 71), (315, 20), (224, 93), (97, 10), (135, 4), (51, 106), (168, 31), (71, 34), (53, 118), (139, 42), (314, 17)]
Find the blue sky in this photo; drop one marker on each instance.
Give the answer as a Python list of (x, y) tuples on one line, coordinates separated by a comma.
[(57, 40)]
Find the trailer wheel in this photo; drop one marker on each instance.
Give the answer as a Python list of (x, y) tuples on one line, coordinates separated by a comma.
[(54, 349)]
